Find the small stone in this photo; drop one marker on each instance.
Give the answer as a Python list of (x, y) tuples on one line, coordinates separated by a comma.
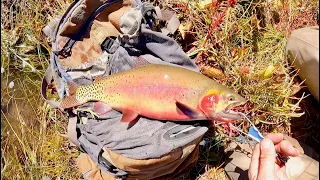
[(46, 178), (202, 143), (11, 84)]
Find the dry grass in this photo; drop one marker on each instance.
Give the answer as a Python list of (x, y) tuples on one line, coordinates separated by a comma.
[(32, 146), (214, 174), (240, 44)]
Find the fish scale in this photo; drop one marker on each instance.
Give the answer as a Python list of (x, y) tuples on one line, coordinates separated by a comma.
[(160, 92)]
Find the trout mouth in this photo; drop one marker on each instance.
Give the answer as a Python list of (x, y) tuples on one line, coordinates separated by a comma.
[(229, 114)]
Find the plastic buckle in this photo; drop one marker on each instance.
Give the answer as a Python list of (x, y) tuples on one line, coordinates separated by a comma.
[(106, 163), (111, 168), (107, 43)]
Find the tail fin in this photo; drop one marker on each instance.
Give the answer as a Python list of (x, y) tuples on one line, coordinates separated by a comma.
[(69, 102), (72, 87)]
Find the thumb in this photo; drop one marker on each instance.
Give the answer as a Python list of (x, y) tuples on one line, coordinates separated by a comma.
[(267, 160)]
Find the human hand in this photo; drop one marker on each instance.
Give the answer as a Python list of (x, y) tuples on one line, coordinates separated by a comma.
[(264, 164)]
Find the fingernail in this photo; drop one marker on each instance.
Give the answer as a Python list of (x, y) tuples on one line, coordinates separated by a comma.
[(265, 144)]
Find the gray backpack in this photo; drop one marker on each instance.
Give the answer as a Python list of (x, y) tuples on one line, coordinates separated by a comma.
[(99, 38)]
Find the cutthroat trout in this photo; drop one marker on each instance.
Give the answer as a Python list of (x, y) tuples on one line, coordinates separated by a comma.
[(160, 92)]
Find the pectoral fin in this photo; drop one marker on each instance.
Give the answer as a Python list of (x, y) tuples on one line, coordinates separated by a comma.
[(101, 108), (188, 111), (129, 115)]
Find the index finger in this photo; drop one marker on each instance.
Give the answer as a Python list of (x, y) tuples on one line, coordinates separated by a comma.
[(286, 148), (281, 145), (275, 137)]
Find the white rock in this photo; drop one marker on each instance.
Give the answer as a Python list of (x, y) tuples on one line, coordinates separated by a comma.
[(11, 84)]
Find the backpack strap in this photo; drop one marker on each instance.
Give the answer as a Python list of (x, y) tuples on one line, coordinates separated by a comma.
[(66, 50), (72, 131), (47, 78), (170, 17)]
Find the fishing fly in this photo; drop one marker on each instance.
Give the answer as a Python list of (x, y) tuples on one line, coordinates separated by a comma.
[(255, 134)]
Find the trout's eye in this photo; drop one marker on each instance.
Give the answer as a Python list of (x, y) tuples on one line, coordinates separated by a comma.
[(231, 98)]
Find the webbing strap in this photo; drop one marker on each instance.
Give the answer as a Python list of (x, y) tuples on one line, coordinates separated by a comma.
[(47, 78), (72, 131), (172, 25), (66, 50), (173, 22)]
